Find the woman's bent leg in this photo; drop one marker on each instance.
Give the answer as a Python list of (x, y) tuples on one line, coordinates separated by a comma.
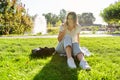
[(68, 49), (80, 56), (68, 45)]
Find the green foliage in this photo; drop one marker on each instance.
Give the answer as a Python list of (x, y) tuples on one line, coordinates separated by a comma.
[(62, 15), (116, 32), (51, 18), (94, 29), (53, 30), (15, 63), (58, 23), (111, 14), (13, 18), (86, 19)]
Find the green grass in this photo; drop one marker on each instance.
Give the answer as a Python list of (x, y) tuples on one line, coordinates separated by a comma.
[(15, 63)]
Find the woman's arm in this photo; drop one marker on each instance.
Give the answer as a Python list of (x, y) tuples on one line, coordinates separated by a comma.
[(61, 35)]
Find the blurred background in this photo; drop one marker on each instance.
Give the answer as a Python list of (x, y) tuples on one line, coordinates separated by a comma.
[(43, 17)]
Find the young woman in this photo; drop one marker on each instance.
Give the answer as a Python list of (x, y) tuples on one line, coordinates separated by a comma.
[(68, 38)]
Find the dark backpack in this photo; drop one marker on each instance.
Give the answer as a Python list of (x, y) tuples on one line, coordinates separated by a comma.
[(42, 52)]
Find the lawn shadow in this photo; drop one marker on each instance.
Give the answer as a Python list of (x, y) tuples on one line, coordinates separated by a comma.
[(57, 69)]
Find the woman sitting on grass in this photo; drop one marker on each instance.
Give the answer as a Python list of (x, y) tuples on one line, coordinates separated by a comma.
[(68, 38)]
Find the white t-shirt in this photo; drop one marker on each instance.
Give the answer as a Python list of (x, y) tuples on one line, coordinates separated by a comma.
[(72, 33)]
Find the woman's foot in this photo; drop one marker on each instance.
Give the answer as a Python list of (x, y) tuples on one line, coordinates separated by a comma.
[(71, 63), (84, 65)]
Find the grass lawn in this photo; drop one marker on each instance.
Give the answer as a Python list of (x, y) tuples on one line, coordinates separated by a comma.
[(15, 63)]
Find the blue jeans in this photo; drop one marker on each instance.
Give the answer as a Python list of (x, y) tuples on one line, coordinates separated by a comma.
[(67, 41)]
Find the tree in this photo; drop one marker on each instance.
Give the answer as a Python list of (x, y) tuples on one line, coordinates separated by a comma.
[(4, 15), (54, 19), (12, 15), (62, 15), (111, 14), (86, 19), (48, 17), (51, 18), (58, 23)]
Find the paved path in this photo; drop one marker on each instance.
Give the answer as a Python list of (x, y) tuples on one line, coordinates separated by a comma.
[(55, 36)]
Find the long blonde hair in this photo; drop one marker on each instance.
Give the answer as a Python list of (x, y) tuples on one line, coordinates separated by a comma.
[(74, 16)]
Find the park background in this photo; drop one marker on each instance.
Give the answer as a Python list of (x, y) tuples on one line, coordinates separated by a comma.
[(15, 60)]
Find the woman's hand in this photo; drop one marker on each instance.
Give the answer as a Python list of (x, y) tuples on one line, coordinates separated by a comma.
[(62, 33), (65, 26)]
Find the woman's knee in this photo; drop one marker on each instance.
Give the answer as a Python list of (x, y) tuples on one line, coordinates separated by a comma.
[(67, 41), (80, 54)]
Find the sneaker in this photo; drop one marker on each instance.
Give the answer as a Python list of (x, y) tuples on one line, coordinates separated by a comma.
[(84, 65), (71, 63)]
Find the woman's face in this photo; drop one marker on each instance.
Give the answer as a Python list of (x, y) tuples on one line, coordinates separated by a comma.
[(70, 20)]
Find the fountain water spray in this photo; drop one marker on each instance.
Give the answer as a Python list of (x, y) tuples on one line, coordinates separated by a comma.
[(40, 25)]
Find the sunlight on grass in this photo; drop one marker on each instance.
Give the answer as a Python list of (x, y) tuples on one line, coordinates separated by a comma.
[(16, 64)]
